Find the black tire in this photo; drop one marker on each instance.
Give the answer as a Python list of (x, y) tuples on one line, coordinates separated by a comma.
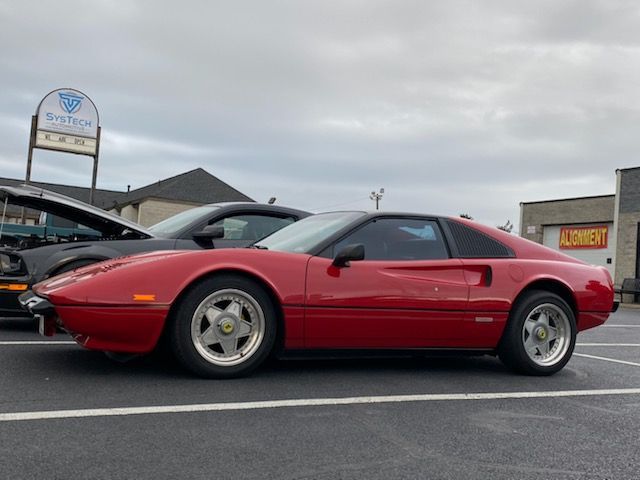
[(224, 327), (530, 349)]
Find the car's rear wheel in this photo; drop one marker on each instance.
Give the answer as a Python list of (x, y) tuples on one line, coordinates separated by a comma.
[(223, 327), (540, 336)]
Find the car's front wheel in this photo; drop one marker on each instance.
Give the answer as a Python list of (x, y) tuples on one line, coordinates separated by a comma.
[(540, 336), (223, 327)]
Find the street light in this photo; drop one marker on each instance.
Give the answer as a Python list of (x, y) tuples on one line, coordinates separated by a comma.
[(377, 197)]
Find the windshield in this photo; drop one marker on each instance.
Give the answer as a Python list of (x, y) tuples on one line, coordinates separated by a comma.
[(302, 236), (175, 224)]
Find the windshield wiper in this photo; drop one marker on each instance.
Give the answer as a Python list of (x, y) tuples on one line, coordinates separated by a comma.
[(259, 247)]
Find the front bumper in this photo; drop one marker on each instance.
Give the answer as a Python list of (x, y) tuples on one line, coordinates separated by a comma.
[(42, 310), (14, 280), (36, 305), (10, 289)]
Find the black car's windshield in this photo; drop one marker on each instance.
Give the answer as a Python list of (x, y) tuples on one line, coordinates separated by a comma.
[(302, 236), (173, 225)]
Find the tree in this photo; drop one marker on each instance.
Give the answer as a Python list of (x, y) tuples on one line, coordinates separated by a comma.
[(507, 227)]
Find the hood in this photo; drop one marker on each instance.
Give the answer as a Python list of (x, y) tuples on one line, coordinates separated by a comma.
[(62, 206)]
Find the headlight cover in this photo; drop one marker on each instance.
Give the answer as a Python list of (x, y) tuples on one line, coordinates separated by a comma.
[(12, 264)]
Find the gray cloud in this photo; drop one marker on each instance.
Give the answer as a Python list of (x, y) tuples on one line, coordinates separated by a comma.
[(453, 107)]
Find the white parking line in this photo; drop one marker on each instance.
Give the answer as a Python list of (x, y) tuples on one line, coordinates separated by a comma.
[(619, 326), (607, 359), (607, 344), (37, 342), (303, 402)]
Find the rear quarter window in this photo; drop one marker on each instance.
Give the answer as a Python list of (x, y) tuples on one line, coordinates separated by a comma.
[(471, 243)]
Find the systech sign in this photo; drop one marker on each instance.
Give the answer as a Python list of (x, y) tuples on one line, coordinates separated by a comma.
[(573, 238), (67, 121)]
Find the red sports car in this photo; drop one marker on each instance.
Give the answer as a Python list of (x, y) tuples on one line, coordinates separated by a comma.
[(341, 280)]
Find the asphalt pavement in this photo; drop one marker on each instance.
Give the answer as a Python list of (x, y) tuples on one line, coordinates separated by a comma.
[(66, 412)]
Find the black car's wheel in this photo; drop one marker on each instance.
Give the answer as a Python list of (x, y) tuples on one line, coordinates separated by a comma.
[(223, 327), (540, 336)]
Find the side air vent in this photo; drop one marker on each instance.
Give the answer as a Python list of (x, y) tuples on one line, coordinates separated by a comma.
[(474, 244)]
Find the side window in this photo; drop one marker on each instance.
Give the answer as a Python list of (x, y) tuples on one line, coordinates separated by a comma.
[(471, 243), (56, 221), (251, 227), (398, 239)]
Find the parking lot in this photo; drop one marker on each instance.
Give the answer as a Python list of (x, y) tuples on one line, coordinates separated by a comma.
[(66, 412)]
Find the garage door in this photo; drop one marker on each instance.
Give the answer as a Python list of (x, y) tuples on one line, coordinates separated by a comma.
[(591, 243)]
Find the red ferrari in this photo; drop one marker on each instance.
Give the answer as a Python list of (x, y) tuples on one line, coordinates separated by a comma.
[(342, 280)]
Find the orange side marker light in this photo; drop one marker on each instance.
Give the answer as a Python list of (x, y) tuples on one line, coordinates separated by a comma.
[(14, 287), (139, 297)]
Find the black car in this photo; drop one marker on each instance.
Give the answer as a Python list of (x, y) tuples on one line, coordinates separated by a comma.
[(218, 225)]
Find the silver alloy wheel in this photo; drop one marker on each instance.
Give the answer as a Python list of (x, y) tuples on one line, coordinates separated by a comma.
[(546, 334), (227, 327)]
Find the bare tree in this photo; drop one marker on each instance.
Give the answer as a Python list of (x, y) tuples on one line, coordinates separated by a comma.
[(507, 227)]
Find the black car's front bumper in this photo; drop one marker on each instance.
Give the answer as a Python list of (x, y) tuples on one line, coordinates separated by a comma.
[(36, 305), (10, 289), (14, 280), (42, 309)]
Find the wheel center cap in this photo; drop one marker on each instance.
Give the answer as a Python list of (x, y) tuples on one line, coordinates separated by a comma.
[(227, 327), (541, 333)]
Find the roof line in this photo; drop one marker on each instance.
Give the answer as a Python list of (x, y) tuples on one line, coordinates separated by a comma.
[(165, 181), (22, 181), (568, 199), (627, 169)]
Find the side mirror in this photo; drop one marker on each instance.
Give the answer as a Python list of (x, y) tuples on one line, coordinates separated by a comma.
[(210, 232), (349, 253)]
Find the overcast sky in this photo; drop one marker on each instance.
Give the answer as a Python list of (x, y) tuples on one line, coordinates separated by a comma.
[(451, 106)]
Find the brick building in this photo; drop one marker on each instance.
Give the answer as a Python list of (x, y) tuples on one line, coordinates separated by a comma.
[(146, 205), (601, 230)]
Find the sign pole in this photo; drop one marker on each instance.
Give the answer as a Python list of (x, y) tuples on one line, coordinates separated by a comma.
[(32, 142), (95, 167)]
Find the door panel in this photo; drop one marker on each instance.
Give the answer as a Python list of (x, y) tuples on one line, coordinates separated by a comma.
[(396, 304)]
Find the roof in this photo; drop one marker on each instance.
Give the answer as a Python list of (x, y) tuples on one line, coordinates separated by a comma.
[(104, 199), (593, 197), (195, 186)]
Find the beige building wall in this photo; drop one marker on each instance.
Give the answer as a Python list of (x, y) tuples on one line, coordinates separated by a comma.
[(535, 215), (152, 211), (130, 212), (627, 246), (628, 211)]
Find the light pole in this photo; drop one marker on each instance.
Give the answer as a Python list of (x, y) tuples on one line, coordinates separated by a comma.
[(377, 197)]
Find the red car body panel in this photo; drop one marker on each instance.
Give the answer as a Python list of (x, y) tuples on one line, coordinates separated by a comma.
[(122, 305), (115, 329)]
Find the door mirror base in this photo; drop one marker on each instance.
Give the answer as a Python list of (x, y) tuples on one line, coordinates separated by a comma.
[(349, 253)]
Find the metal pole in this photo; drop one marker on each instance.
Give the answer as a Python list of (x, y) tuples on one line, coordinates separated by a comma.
[(95, 168), (4, 213), (32, 143)]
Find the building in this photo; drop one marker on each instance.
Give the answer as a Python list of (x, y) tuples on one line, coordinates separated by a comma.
[(146, 205), (601, 230)]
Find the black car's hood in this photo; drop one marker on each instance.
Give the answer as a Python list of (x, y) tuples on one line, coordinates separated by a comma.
[(67, 207)]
